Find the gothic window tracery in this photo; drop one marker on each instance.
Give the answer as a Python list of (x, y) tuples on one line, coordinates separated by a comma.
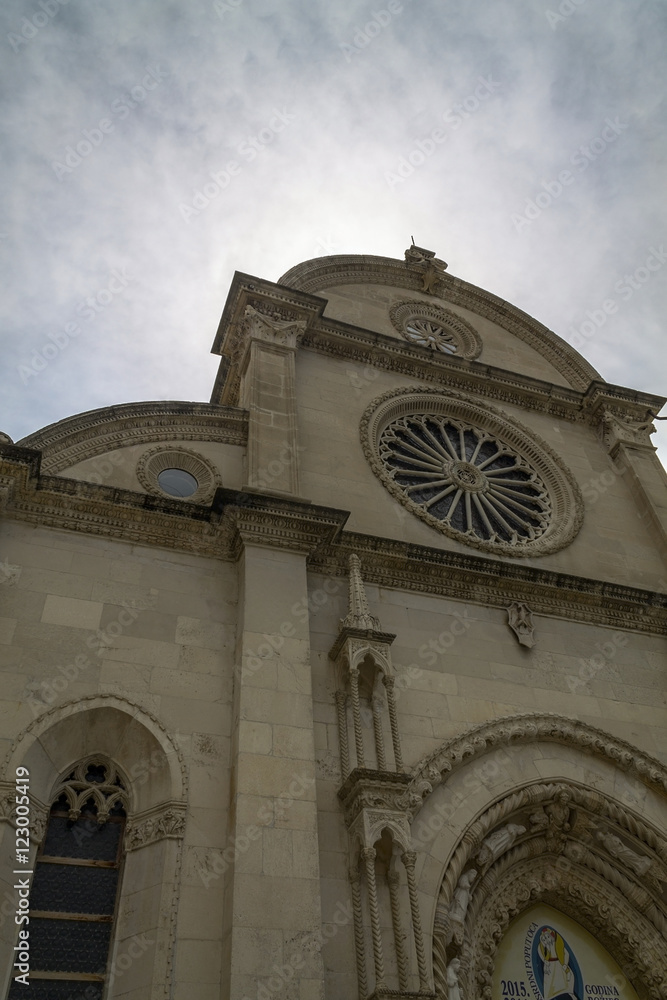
[(75, 886)]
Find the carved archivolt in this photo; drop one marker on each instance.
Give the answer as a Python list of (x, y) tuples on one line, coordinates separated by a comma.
[(514, 730), (637, 947), (471, 449), (566, 845), (325, 272), (97, 432)]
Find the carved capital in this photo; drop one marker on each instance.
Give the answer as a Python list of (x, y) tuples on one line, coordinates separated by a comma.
[(274, 326), (168, 823), (620, 430)]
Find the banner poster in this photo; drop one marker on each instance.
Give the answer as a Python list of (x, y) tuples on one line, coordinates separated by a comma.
[(547, 956)]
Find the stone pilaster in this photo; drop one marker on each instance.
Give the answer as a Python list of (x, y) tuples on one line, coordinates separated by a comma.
[(272, 889)]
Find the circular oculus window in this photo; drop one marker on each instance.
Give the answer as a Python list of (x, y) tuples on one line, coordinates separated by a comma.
[(178, 473), (435, 328), (471, 473)]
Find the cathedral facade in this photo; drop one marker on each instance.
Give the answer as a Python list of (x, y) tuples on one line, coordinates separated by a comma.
[(349, 683)]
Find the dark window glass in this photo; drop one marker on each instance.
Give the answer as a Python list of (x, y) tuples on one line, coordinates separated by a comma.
[(60, 989), (69, 945), (177, 482), (75, 887), (84, 839)]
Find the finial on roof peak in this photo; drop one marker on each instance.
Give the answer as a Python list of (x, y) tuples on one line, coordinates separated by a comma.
[(427, 262)]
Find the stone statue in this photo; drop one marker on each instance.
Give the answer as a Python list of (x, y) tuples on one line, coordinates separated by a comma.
[(499, 842), (614, 846), (452, 980), (459, 905)]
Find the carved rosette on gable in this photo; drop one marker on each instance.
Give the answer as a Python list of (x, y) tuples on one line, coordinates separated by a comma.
[(374, 802)]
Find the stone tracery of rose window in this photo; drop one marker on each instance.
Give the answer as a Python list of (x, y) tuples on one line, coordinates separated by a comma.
[(466, 478)]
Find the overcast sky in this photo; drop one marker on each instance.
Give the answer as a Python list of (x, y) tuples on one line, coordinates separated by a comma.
[(544, 182)]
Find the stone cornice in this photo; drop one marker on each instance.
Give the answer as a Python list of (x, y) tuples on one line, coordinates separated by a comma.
[(233, 334), (334, 338), (72, 505), (218, 531), (316, 275), (340, 340), (495, 583), (235, 517), (95, 432), (278, 522)]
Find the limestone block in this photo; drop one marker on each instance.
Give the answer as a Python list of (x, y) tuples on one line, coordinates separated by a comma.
[(198, 961), (290, 741), (277, 855), (7, 627), (72, 612), (255, 737), (199, 632)]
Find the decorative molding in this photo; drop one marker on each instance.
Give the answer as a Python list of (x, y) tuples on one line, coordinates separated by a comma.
[(38, 815), (238, 326), (470, 577), (273, 326), (97, 432), (278, 522), (132, 709), (168, 822), (567, 509), (373, 800), (324, 272), (366, 348), (460, 337), (515, 730), (560, 854), (619, 430), (637, 947), (155, 461)]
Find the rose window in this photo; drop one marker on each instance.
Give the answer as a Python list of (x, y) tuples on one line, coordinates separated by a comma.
[(429, 334), (466, 478), (471, 471)]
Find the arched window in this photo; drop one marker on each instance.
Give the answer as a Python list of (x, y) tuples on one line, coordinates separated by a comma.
[(74, 891)]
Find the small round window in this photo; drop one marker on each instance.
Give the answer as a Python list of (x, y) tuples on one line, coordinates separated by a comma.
[(179, 473), (177, 482)]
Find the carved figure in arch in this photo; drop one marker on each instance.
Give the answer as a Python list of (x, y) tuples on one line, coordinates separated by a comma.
[(498, 842), (615, 846), (459, 906), (452, 980), (554, 819)]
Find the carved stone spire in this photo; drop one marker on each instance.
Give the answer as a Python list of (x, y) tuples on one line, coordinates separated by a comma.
[(358, 615)]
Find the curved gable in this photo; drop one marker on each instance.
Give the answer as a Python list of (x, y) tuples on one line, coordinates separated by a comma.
[(361, 290)]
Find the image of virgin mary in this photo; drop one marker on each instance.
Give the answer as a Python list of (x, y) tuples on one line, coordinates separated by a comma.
[(555, 968)]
